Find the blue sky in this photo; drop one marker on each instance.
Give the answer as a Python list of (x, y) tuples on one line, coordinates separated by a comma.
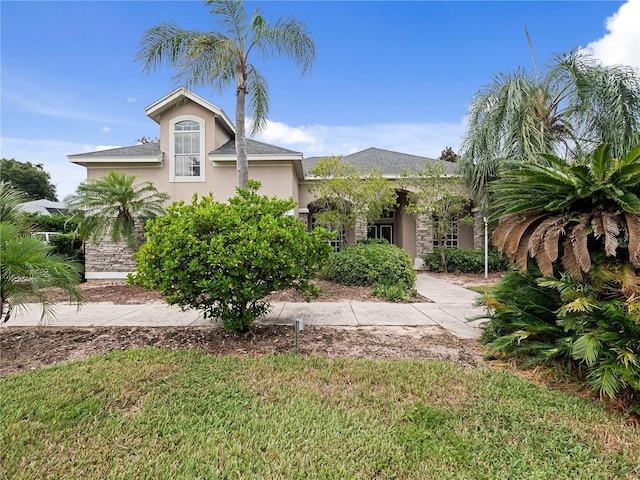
[(394, 75)]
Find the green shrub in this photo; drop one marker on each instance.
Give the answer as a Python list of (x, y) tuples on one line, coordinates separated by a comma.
[(68, 245), (462, 260), (586, 325), (52, 223), (223, 258), (368, 263), (522, 315)]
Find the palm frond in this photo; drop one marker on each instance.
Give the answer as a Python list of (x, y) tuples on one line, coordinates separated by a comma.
[(577, 240), (571, 264), (632, 224)]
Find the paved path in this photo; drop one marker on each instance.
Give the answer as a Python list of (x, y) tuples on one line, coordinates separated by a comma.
[(452, 306)]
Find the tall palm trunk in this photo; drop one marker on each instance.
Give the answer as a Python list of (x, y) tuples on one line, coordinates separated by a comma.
[(242, 163)]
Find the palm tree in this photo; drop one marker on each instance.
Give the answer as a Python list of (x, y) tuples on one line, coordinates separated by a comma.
[(219, 57), (113, 204), (27, 265), (575, 106), (564, 211)]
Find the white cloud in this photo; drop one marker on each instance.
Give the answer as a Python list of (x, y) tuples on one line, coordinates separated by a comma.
[(106, 129), (621, 46), (98, 148), (131, 100), (424, 139)]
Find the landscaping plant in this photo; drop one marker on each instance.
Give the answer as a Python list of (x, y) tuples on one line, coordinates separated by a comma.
[(386, 267), (29, 266), (224, 258), (466, 260), (574, 230)]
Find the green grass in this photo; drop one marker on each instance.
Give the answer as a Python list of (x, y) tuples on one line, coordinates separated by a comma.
[(149, 414), (483, 289)]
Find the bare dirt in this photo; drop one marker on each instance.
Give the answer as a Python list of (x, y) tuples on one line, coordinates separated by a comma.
[(23, 349)]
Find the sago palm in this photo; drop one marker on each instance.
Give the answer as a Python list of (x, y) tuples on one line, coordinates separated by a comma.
[(572, 107), (222, 57), (113, 204), (562, 211)]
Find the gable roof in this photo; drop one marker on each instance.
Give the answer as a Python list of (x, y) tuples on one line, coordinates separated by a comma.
[(259, 152), (392, 164), (253, 148), (180, 95), (143, 153)]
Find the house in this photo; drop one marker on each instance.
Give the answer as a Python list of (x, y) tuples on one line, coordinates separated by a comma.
[(196, 154), (43, 207)]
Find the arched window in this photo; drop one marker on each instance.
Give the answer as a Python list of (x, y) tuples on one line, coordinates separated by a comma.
[(187, 147)]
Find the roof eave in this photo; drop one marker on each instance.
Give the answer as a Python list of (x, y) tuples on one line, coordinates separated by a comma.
[(154, 110), (85, 160)]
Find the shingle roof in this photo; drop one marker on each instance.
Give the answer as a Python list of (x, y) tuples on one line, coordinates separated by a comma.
[(253, 148), (392, 164), (143, 150)]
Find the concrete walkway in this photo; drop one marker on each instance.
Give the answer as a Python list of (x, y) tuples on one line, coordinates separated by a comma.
[(451, 308)]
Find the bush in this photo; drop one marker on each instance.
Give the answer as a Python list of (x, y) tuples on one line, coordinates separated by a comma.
[(68, 245), (585, 325), (462, 260), (223, 258), (52, 223), (365, 264)]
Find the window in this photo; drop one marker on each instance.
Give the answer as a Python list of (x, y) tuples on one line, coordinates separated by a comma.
[(187, 147), (339, 241), (452, 238)]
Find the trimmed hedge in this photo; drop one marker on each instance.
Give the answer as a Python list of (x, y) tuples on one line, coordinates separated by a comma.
[(366, 263), (464, 260)]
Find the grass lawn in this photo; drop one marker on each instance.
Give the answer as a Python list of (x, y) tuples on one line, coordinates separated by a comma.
[(482, 289), (157, 414)]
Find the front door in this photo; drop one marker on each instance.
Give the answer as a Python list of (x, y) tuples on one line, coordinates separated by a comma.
[(381, 231)]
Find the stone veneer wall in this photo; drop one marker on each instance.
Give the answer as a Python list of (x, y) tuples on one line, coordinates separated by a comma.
[(303, 215), (424, 236), (109, 259), (361, 232)]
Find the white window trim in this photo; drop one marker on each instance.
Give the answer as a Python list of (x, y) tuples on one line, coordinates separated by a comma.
[(172, 151)]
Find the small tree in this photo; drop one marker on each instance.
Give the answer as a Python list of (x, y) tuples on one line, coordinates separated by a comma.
[(346, 194), (443, 199), (114, 203), (30, 178), (224, 258), (448, 155)]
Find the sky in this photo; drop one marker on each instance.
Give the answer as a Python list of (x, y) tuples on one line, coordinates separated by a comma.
[(396, 75)]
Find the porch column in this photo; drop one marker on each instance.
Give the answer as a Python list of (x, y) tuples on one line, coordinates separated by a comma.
[(303, 215), (424, 239), (478, 229), (360, 232)]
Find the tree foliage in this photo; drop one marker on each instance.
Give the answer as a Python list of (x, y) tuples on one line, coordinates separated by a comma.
[(443, 199), (448, 155), (221, 57), (580, 300), (113, 204), (30, 178), (224, 258), (28, 266), (345, 194), (567, 110), (562, 211)]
